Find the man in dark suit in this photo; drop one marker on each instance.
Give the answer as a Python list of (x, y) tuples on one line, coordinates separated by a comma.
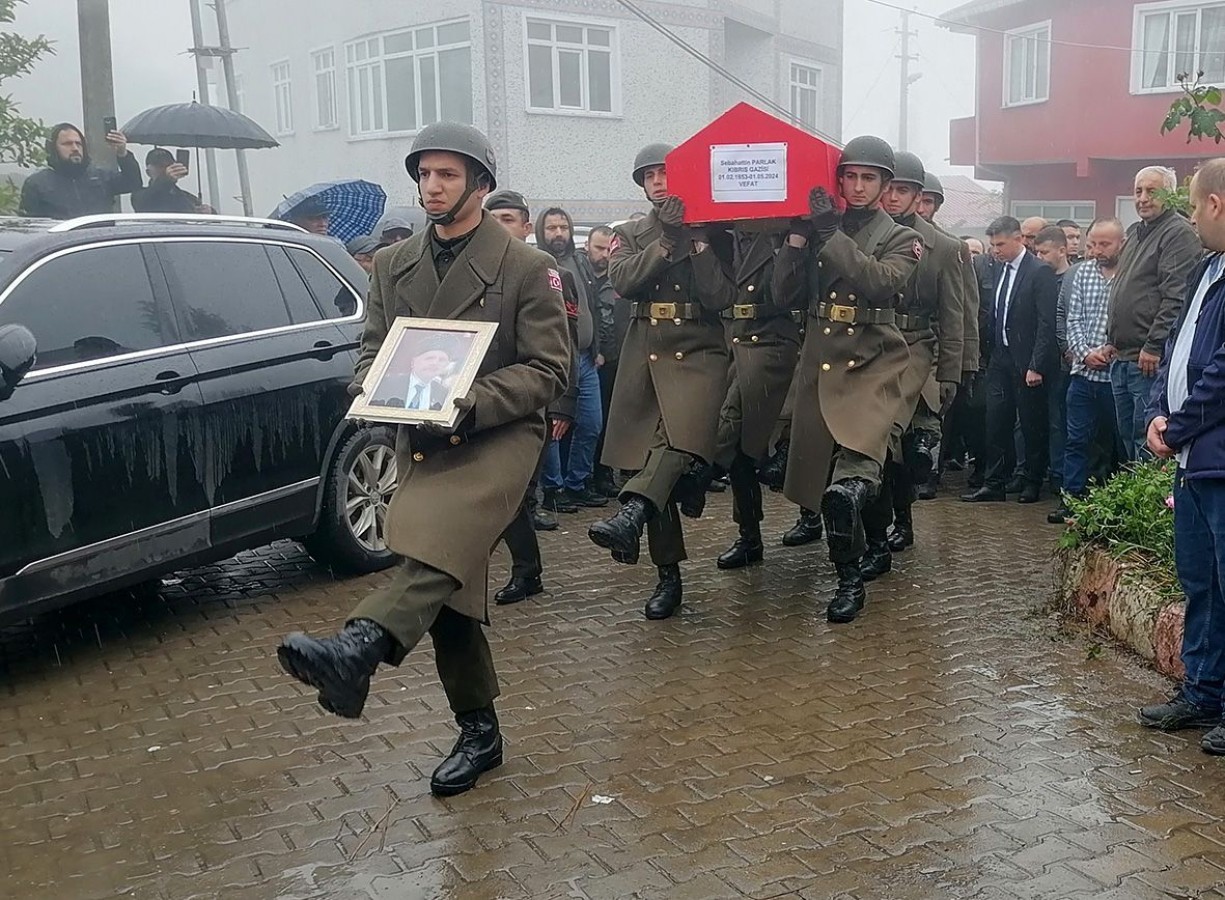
[(1023, 354)]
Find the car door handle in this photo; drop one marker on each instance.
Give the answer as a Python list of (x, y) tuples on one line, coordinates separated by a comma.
[(324, 350), (169, 377)]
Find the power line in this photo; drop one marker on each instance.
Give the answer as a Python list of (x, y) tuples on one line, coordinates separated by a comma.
[(720, 70), (880, 74), (986, 29)]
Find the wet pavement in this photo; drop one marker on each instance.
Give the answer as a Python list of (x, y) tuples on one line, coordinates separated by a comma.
[(952, 743)]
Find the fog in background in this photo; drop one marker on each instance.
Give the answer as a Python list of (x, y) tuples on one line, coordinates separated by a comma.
[(151, 67)]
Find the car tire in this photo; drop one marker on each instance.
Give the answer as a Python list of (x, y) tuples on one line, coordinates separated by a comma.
[(351, 534)]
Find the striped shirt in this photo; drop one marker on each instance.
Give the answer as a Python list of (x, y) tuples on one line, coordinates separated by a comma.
[(1088, 309)]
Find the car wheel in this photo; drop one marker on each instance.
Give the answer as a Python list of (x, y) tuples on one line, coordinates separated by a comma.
[(352, 524)]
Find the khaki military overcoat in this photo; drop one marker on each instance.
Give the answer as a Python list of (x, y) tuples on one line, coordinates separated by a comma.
[(674, 370), (765, 346), (454, 500), (970, 301), (850, 375)]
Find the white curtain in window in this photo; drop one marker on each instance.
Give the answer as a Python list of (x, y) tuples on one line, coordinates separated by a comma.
[(1156, 47), (1212, 44)]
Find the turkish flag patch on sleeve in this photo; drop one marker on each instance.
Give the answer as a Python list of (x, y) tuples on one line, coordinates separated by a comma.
[(555, 280)]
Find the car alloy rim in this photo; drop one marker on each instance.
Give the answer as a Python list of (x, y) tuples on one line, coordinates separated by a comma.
[(372, 481)]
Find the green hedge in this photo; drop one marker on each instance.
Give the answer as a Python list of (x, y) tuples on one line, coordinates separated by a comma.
[(1129, 515)]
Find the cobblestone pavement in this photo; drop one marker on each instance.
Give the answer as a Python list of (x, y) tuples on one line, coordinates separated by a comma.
[(952, 743)]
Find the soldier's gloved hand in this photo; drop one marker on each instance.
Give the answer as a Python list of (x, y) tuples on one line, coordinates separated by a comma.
[(825, 216), (355, 390), (672, 218), (948, 393), (438, 429), (800, 228)]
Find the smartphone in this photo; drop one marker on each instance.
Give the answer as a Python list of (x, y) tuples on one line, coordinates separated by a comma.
[(183, 158), (109, 124)]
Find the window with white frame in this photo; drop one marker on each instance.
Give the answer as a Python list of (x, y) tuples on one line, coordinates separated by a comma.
[(282, 95), (806, 84), (1178, 38), (571, 67), (404, 80), (1083, 211), (324, 64), (1027, 64)]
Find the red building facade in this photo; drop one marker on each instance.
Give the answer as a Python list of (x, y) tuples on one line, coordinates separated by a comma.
[(1066, 126)]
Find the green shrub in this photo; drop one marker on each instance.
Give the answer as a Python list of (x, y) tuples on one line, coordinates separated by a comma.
[(1128, 515)]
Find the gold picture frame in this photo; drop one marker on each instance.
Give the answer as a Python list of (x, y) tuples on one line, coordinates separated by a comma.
[(423, 366)]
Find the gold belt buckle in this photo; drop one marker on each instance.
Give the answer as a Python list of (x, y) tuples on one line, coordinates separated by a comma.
[(663, 310), (744, 311), (844, 314)]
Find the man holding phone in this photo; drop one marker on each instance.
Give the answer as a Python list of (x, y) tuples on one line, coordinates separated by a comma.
[(71, 185), (163, 195)]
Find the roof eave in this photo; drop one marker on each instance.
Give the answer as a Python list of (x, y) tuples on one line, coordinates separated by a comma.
[(962, 18)]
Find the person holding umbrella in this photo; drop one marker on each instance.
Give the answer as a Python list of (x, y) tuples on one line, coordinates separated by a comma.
[(311, 215), (163, 195)]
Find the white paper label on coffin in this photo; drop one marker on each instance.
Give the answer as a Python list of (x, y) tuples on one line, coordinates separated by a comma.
[(748, 173)]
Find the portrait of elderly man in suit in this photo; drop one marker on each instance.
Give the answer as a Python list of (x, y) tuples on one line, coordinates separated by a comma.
[(420, 372)]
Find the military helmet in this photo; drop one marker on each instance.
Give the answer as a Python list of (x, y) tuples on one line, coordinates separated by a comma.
[(454, 137), (908, 168), (867, 150), (932, 185), (506, 200), (650, 155)]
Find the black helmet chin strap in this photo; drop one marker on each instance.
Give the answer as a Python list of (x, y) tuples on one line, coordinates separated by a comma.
[(448, 217)]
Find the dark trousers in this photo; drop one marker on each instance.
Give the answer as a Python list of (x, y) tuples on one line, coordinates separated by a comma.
[(1057, 423), (746, 494), (1199, 556), (967, 429), (1090, 409), (1010, 399), (520, 535), (608, 377)]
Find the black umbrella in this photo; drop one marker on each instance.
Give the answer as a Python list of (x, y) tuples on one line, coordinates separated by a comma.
[(196, 125)]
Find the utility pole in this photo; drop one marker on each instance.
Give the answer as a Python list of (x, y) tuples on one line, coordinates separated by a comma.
[(906, 81), (231, 89), (199, 52), (97, 80)]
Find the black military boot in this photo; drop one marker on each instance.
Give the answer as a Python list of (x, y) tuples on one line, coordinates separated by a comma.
[(338, 667), (622, 533), (745, 551), (605, 484), (774, 472), (690, 490), (478, 750), (849, 596), (842, 508), (518, 589), (666, 599), (924, 457), (807, 528), (901, 535), (877, 560), (542, 519), (928, 489)]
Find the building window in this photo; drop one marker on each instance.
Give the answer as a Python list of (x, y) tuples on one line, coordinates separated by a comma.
[(1180, 38), (282, 94), (1027, 65), (571, 67), (1082, 211), (324, 64), (806, 82), (404, 80)]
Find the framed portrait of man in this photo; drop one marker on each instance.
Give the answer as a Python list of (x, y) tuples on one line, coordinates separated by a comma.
[(422, 367)]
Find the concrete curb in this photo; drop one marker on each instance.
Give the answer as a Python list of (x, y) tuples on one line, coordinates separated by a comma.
[(1108, 593)]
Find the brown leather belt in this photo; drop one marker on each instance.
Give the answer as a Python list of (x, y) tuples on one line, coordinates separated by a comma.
[(907, 322), (753, 311), (855, 315), (650, 310)]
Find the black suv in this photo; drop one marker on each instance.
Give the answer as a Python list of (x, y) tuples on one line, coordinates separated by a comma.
[(186, 401)]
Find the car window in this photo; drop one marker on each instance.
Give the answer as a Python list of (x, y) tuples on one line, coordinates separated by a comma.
[(301, 303), (87, 304), (333, 295), (223, 288)]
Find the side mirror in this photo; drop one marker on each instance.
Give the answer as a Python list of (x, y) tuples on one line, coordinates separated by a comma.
[(18, 350)]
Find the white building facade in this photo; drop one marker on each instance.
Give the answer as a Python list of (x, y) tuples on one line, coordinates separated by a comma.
[(567, 90)]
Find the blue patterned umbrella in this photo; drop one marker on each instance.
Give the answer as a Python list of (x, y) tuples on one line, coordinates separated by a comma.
[(354, 207)]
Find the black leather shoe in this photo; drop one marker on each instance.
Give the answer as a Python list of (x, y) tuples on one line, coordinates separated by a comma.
[(543, 520), (558, 502), (1030, 494), (1060, 516), (876, 561), (807, 528), (1016, 485), (985, 495), (842, 507), (849, 596), (338, 667), (901, 535), (478, 750), (518, 589), (605, 485), (586, 498), (745, 551), (666, 599), (927, 490), (976, 480), (622, 533), (1176, 714), (925, 458), (691, 488), (774, 472)]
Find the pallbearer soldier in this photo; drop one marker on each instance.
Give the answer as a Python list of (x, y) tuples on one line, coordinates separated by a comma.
[(848, 269), (765, 347), (930, 317), (459, 487), (671, 381), (773, 474)]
